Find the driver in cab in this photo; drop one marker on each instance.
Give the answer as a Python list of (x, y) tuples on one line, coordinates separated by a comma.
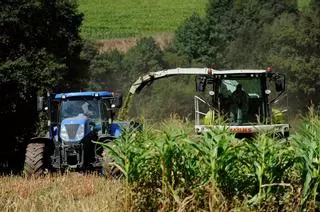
[(86, 107), (239, 106)]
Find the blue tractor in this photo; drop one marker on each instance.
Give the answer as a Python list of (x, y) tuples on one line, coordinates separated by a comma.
[(76, 122)]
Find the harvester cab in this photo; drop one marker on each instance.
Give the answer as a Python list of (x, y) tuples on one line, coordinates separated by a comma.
[(245, 101), (75, 121)]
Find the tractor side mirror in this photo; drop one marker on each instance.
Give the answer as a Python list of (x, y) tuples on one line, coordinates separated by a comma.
[(201, 86), (40, 103), (280, 84), (117, 101)]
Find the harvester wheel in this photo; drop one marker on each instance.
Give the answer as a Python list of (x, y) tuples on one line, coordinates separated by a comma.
[(35, 162)]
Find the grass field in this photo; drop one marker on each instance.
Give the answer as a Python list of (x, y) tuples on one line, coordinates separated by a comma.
[(105, 19)]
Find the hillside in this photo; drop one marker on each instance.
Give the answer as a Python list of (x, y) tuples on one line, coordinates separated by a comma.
[(105, 19)]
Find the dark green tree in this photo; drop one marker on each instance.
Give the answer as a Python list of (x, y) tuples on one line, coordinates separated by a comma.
[(192, 40), (146, 56), (228, 36), (108, 71), (39, 48), (296, 51)]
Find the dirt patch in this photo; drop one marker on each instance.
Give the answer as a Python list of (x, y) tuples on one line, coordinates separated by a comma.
[(124, 44)]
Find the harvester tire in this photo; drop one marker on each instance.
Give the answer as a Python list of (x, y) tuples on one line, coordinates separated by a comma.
[(36, 161)]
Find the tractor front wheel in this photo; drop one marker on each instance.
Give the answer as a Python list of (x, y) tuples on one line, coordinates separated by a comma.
[(36, 161)]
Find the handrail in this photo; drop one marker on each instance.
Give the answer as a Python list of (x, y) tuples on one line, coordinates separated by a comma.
[(197, 99)]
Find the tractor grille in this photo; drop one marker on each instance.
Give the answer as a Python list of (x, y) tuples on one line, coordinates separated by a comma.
[(72, 130)]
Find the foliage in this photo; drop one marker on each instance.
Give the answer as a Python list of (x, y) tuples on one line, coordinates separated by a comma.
[(104, 71), (295, 48), (144, 58), (38, 53), (52, 39), (40, 49), (307, 145), (105, 67), (192, 39), (211, 171)]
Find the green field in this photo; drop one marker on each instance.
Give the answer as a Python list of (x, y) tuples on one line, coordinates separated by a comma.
[(105, 19)]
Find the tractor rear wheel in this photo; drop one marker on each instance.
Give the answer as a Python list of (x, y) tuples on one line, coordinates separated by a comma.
[(36, 161)]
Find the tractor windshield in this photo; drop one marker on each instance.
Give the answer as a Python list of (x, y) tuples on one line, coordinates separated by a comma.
[(241, 100), (74, 107)]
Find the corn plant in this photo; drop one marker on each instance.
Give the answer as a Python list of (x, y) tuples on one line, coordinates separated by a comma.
[(267, 160), (307, 150), (214, 152), (215, 156), (177, 162), (128, 153), (157, 159)]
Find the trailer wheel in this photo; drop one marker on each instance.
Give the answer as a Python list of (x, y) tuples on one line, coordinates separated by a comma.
[(36, 161)]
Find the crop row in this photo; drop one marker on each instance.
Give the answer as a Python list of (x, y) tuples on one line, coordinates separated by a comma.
[(172, 169)]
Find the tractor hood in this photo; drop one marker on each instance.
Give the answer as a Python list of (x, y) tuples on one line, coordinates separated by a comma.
[(74, 129)]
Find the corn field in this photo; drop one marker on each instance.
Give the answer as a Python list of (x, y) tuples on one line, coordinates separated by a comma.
[(166, 167), (171, 169)]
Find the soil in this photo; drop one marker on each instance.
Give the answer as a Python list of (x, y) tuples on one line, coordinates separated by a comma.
[(124, 44)]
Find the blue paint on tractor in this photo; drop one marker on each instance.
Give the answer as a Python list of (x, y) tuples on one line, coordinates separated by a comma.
[(78, 124), (118, 127)]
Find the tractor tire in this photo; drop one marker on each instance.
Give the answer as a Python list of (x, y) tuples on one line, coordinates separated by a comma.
[(36, 161)]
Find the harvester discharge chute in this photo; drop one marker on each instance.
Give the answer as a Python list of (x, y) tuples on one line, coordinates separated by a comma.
[(247, 101)]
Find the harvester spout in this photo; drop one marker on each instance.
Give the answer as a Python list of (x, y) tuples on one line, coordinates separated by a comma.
[(141, 83), (148, 79)]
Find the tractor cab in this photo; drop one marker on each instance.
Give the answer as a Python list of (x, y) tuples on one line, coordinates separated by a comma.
[(92, 111)]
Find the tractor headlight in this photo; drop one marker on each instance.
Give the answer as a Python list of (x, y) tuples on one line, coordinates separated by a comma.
[(63, 133), (80, 132)]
